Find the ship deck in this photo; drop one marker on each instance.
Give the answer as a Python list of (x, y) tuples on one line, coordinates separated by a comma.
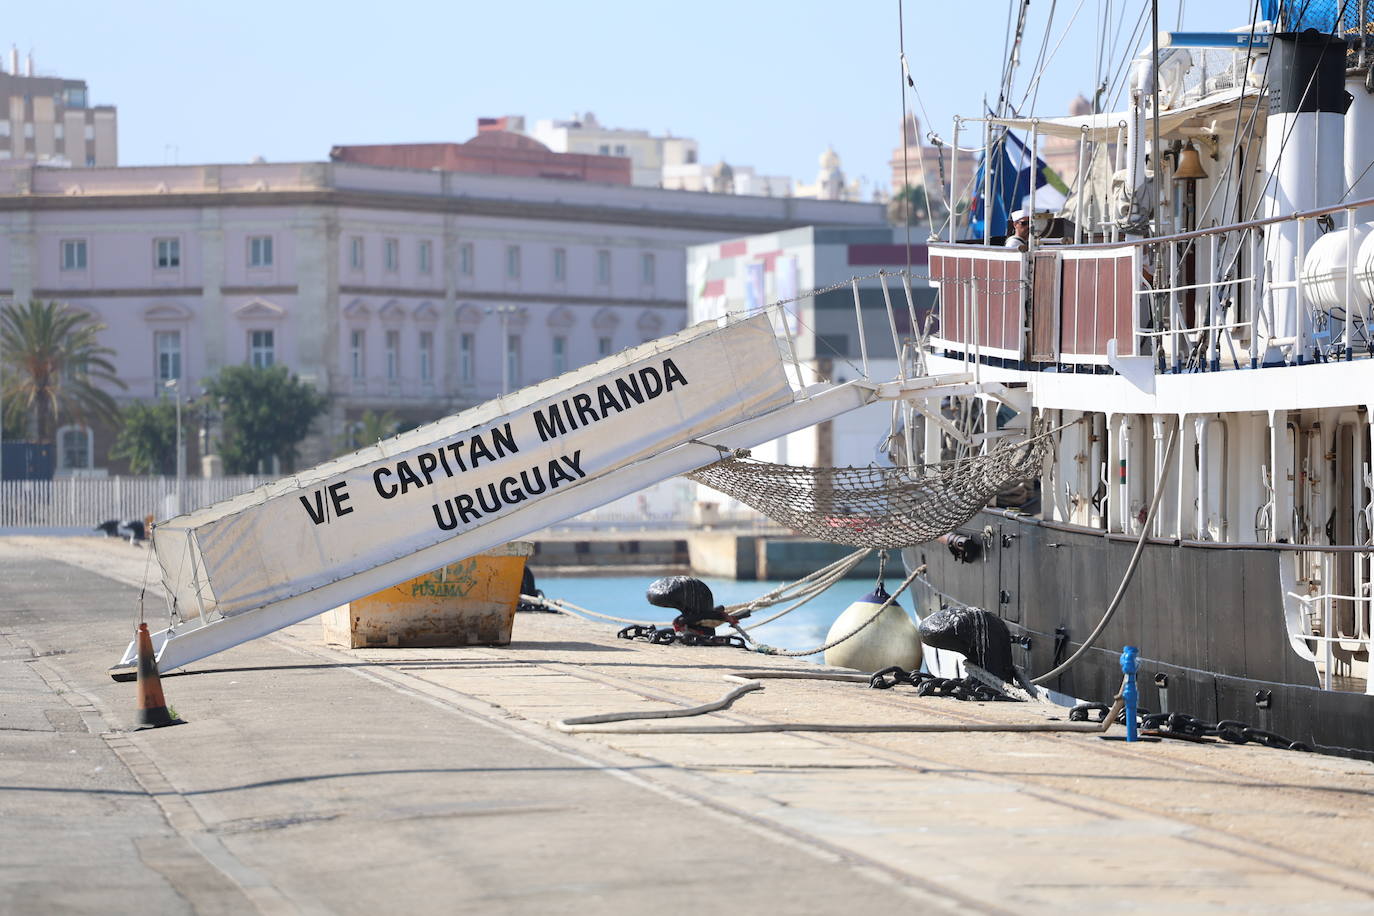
[(314, 778)]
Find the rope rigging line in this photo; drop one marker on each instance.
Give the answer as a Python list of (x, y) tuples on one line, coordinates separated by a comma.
[(808, 587), (1130, 567), (802, 653)]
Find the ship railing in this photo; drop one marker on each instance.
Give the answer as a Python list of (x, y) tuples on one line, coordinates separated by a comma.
[(1323, 607), (1199, 324), (1223, 297)]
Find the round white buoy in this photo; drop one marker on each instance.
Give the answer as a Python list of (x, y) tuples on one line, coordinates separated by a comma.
[(890, 640)]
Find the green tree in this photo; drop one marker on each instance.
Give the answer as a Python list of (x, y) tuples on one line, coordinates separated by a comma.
[(11, 413), (912, 206), (370, 428), (148, 436), (265, 413), (53, 366)]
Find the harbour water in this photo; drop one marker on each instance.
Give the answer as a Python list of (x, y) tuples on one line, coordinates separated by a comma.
[(623, 596)]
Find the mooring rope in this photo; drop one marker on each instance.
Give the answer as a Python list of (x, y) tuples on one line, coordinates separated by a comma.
[(808, 587), (749, 682), (769, 650)]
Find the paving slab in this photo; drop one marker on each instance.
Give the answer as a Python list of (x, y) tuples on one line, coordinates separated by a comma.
[(314, 778)]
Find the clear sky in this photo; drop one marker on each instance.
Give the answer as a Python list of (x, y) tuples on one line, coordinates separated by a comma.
[(757, 82)]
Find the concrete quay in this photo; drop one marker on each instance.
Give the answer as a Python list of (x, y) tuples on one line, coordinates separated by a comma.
[(723, 553), (319, 780)]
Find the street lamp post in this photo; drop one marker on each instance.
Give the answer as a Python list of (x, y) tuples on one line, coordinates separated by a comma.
[(175, 385)]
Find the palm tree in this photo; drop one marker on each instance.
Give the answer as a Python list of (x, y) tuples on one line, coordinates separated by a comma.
[(52, 361)]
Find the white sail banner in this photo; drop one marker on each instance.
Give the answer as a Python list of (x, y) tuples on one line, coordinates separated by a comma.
[(444, 481)]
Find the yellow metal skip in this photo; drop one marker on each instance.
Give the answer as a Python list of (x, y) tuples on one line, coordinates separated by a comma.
[(470, 602)]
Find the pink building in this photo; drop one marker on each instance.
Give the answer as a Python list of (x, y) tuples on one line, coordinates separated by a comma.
[(416, 292)]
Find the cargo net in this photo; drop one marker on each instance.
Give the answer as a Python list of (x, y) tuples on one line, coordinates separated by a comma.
[(882, 508)]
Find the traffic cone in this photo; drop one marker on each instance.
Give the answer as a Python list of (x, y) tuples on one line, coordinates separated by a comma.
[(152, 707)]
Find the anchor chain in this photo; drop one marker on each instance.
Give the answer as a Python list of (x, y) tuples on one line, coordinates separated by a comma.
[(1190, 728), (666, 636), (928, 685)]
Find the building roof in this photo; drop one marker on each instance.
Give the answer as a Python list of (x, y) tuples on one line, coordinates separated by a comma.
[(26, 187)]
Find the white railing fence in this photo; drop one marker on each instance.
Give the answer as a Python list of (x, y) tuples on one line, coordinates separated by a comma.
[(84, 502)]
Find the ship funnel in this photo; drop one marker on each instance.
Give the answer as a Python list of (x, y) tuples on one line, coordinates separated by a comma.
[(1305, 157), (1359, 140)]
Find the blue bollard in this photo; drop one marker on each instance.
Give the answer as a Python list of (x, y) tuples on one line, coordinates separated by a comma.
[(1129, 665)]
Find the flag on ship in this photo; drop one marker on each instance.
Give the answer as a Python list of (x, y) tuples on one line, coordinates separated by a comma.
[(1013, 170), (1051, 192), (1002, 192)]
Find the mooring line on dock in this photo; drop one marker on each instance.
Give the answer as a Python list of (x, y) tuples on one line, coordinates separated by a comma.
[(750, 681)]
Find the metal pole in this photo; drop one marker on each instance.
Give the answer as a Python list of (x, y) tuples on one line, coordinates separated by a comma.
[(181, 457), (953, 184), (987, 178), (1034, 179), (1155, 162), (175, 385), (859, 317), (892, 326), (1078, 187)]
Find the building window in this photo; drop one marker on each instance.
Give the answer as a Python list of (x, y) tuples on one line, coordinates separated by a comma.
[(604, 149), (465, 259), (357, 353), (620, 149), (393, 355), (560, 355), (603, 267), (603, 346), (466, 345), (426, 356), (355, 252), (512, 361), (391, 255), (426, 257), (167, 347), (261, 349), (513, 261), (166, 253), (74, 448), (560, 264), (646, 269), (73, 254), (260, 251)]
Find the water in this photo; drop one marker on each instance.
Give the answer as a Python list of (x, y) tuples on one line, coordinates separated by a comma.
[(623, 596)]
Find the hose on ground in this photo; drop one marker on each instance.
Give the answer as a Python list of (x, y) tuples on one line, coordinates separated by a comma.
[(749, 682)]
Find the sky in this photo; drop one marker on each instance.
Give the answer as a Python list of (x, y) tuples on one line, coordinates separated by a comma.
[(765, 84)]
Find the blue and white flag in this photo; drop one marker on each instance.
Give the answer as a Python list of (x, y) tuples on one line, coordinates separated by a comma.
[(1051, 193)]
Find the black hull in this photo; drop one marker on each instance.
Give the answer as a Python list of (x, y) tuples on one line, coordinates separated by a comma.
[(1209, 619)]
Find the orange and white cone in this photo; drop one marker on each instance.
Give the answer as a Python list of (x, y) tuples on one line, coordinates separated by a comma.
[(152, 707)]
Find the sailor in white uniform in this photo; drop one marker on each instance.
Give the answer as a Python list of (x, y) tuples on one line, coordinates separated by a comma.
[(1020, 228)]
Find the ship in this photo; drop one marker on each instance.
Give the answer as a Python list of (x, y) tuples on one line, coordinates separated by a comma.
[(1191, 324)]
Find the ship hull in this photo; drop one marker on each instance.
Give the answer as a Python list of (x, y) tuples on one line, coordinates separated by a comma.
[(1207, 618)]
